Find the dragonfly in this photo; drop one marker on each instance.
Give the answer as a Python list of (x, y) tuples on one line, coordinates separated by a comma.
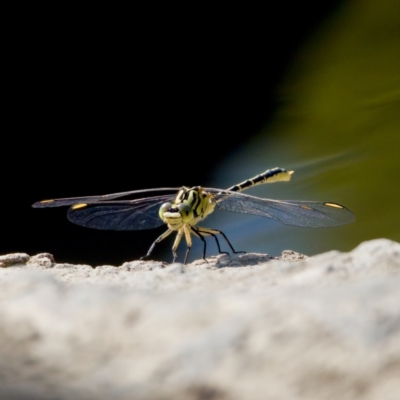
[(181, 209)]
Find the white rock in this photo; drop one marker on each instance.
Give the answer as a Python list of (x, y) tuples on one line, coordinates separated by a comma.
[(317, 328)]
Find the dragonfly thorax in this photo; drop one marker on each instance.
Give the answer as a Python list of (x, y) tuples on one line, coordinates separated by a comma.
[(189, 207)]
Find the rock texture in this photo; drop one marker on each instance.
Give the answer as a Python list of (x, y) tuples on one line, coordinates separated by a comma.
[(246, 327)]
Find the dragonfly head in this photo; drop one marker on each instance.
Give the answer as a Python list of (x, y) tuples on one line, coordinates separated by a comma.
[(189, 207), (175, 215)]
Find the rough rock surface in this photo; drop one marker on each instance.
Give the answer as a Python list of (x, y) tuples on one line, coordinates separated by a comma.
[(246, 327)]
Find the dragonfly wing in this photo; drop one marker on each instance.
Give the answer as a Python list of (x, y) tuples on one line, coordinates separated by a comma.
[(119, 215), (312, 214), (96, 199)]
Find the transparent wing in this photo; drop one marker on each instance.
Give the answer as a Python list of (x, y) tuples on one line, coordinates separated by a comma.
[(101, 212), (311, 214), (96, 199), (120, 215)]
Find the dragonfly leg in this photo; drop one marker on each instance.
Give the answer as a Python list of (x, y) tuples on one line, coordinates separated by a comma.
[(186, 255), (158, 240), (214, 232), (176, 244), (199, 235), (204, 231)]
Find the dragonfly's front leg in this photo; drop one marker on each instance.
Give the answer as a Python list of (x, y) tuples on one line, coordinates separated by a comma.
[(158, 240), (176, 244)]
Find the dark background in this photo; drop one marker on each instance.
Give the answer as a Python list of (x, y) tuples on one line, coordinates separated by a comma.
[(104, 101)]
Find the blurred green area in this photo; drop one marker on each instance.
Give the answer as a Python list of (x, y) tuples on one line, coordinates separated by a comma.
[(338, 126)]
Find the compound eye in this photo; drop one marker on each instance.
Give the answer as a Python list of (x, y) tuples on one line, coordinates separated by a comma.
[(184, 209), (164, 208)]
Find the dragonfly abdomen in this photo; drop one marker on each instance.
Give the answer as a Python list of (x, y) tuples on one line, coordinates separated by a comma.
[(269, 176)]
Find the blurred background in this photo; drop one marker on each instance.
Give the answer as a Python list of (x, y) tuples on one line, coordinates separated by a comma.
[(105, 101)]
